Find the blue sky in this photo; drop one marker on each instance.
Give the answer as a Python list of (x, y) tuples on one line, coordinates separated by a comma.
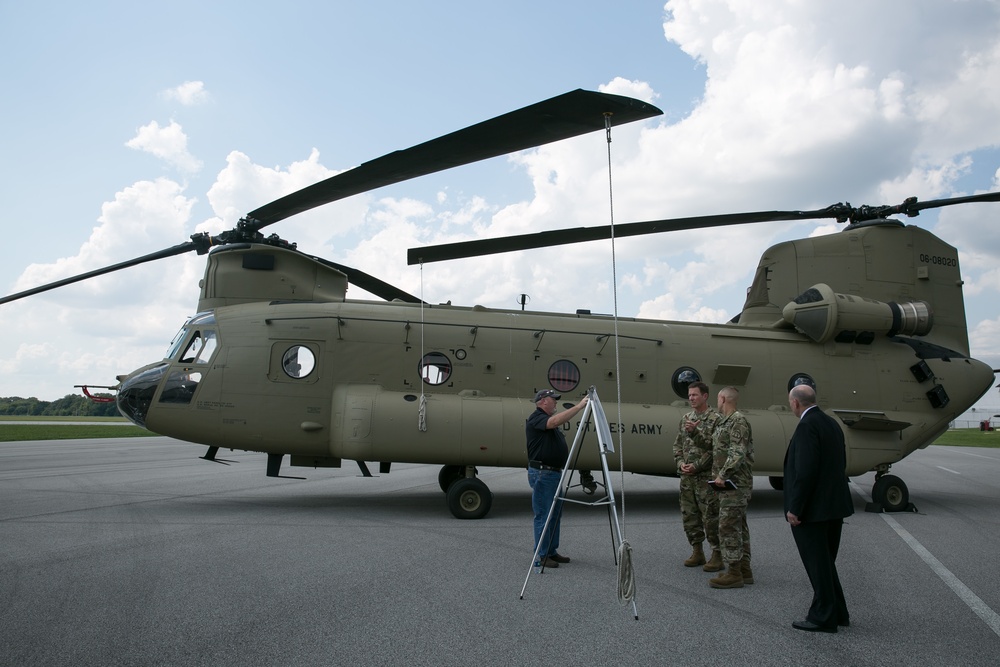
[(127, 128)]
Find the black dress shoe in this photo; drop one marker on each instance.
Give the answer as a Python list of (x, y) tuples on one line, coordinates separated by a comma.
[(809, 626), (559, 558), (846, 623)]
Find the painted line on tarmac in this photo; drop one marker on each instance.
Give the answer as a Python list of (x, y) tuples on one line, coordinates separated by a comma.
[(953, 472), (973, 601), (978, 456)]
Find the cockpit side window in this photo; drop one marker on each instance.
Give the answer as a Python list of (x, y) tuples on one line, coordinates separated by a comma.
[(201, 347), (180, 386), (196, 324)]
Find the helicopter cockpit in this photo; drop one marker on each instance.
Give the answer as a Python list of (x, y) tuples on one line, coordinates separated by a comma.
[(193, 346)]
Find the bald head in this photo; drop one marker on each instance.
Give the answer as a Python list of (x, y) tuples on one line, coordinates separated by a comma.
[(801, 398)]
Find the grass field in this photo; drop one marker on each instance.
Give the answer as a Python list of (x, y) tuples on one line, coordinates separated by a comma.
[(107, 427), (969, 437), (17, 432), (96, 427)]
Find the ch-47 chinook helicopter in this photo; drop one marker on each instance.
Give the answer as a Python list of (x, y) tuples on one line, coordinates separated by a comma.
[(277, 359)]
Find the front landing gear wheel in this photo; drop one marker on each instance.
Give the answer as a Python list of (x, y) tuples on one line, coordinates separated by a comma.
[(469, 498), (891, 493)]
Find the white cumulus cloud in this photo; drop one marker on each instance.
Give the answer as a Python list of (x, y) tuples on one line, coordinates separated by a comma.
[(189, 93), (167, 143)]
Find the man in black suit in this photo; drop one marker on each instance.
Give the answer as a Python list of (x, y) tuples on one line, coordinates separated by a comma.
[(817, 499)]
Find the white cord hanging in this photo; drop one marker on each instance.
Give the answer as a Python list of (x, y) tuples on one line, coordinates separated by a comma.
[(626, 575), (422, 413), (422, 406)]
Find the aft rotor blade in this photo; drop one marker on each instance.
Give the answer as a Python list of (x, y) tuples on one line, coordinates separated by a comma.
[(912, 208), (167, 252), (445, 251), (841, 212), (568, 115)]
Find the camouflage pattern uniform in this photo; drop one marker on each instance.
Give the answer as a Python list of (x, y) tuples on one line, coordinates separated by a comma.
[(699, 504), (732, 459)]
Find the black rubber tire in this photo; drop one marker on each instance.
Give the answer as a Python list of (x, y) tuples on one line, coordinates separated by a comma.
[(891, 493), (469, 498)]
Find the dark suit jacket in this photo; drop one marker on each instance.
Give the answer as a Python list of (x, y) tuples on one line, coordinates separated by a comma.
[(815, 483)]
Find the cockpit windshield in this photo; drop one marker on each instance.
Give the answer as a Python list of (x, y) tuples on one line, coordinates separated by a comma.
[(179, 339)]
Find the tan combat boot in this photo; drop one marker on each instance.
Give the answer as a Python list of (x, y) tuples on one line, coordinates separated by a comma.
[(697, 557), (732, 578), (715, 562), (746, 571)]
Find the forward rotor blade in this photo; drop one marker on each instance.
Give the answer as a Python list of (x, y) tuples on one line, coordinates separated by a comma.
[(561, 117), (374, 285), (167, 252)]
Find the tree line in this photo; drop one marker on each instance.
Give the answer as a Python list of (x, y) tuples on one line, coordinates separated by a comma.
[(71, 405)]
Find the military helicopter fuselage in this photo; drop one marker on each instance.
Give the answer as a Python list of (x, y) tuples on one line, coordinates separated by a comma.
[(279, 361)]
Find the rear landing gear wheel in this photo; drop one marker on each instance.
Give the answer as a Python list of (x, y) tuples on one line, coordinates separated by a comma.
[(777, 483), (469, 498), (891, 493)]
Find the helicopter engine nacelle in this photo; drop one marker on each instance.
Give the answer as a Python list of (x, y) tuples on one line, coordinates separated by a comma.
[(824, 315)]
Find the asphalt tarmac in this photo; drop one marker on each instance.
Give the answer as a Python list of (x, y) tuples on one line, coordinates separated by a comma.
[(134, 551)]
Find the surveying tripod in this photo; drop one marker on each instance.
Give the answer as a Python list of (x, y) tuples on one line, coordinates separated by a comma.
[(605, 445)]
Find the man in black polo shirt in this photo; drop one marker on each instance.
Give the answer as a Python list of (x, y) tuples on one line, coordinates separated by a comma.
[(547, 454)]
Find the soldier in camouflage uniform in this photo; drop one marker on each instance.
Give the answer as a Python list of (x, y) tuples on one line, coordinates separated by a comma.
[(693, 457), (732, 462)]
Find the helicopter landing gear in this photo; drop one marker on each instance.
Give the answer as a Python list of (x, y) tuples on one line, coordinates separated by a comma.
[(448, 475), (889, 494), (210, 456), (468, 496), (777, 483)]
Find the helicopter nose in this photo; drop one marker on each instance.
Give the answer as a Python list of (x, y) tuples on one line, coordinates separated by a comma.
[(136, 393)]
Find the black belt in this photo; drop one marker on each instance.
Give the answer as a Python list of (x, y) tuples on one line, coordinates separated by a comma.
[(541, 466)]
